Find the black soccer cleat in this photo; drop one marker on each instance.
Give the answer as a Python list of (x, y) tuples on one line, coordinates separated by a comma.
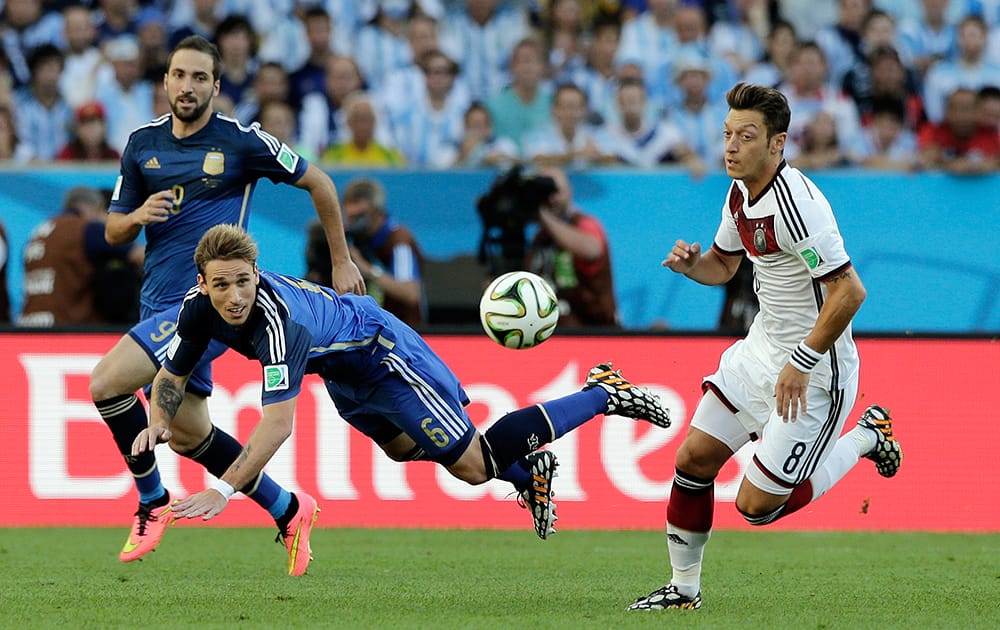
[(887, 453), (626, 399), (538, 498), (666, 598)]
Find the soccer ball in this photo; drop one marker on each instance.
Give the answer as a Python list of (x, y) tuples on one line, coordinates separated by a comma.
[(519, 310)]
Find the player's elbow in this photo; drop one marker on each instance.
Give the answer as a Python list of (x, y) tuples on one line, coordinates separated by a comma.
[(856, 297)]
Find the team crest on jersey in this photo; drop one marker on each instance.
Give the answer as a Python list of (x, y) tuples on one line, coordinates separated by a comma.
[(215, 163), (760, 240), (275, 377)]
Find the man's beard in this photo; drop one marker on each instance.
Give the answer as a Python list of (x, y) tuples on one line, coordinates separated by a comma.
[(195, 114)]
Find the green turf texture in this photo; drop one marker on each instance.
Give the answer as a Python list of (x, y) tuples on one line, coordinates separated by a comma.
[(227, 578)]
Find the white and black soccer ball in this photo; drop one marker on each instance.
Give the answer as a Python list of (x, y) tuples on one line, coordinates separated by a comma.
[(519, 310)]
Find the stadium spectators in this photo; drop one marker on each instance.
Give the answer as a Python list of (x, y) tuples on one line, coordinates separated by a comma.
[(236, 41), (431, 126), (842, 41), (563, 33), (738, 41), (480, 146), (308, 77), (90, 136), (698, 117), (321, 119), (360, 148), (569, 140), (773, 68), (82, 57), (43, 116), (887, 142), (483, 34), (380, 46), (818, 146), (649, 40), (929, 38), (26, 27), (524, 105), (644, 139), (968, 69), (127, 97), (270, 85), (593, 45), (959, 144), (597, 77), (12, 150), (809, 92)]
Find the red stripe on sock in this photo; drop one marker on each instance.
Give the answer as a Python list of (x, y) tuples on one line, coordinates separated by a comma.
[(693, 512)]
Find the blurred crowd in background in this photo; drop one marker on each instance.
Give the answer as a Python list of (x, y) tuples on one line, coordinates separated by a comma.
[(437, 84)]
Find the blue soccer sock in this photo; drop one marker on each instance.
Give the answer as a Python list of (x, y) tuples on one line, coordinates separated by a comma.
[(526, 430), (126, 418), (569, 412), (219, 450)]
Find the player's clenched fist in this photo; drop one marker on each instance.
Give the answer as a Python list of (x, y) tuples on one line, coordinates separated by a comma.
[(156, 209)]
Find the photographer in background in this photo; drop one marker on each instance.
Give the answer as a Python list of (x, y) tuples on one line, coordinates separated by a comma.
[(385, 251), (571, 251), (72, 275)]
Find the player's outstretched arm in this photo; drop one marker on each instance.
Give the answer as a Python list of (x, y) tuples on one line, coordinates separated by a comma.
[(271, 432), (346, 276), (710, 268)]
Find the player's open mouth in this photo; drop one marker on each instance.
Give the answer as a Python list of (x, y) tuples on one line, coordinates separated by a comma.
[(237, 311)]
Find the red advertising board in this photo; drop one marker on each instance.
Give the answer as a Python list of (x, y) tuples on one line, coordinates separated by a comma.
[(59, 465)]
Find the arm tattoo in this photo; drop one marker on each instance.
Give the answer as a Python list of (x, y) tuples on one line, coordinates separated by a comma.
[(168, 397), (841, 276)]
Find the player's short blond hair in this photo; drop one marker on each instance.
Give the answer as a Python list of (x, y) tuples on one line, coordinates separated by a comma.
[(225, 242)]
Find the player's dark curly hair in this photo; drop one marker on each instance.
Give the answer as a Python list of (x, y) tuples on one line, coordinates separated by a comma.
[(225, 242), (768, 101)]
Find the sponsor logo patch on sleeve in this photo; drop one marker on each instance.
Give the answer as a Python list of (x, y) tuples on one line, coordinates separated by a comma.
[(275, 377), (288, 158), (811, 257)]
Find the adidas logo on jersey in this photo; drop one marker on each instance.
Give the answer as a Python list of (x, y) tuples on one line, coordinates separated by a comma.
[(152, 163)]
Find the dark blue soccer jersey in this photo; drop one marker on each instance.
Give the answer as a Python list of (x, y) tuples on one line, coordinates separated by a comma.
[(212, 174), (296, 328)]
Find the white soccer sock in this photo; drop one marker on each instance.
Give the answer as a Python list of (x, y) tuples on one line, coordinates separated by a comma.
[(842, 458), (686, 552), (865, 439)]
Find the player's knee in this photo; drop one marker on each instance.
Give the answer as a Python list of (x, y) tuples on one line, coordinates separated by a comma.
[(697, 463), (758, 513), (102, 383)]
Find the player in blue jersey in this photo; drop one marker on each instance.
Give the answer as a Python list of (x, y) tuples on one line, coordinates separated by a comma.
[(181, 174), (383, 378)]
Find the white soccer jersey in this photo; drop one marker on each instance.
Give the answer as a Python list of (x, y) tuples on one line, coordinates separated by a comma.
[(791, 237)]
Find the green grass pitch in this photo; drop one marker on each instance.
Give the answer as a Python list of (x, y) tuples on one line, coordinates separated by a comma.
[(235, 578)]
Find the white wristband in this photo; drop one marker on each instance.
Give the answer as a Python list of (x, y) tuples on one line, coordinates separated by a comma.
[(224, 489), (804, 358)]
